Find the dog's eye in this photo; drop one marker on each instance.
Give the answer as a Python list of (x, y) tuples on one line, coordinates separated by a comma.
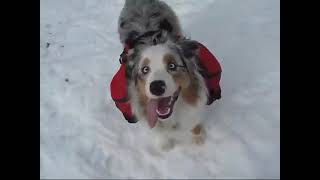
[(172, 66), (145, 69)]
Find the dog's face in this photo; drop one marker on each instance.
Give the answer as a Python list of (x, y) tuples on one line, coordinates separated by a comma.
[(161, 76), (162, 72)]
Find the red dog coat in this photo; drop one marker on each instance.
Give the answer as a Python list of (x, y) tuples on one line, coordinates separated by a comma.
[(212, 75)]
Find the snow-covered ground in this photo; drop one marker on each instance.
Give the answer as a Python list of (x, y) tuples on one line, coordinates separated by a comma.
[(83, 135)]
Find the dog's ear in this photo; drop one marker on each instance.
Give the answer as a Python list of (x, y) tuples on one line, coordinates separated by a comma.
[(188, 51), (132, 62), (157, 38), (188, 48), (160, 37)]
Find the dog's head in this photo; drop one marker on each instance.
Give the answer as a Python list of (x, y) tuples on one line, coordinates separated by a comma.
[(163, 72)]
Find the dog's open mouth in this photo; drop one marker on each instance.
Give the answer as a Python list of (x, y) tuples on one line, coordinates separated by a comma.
[(160, 108)]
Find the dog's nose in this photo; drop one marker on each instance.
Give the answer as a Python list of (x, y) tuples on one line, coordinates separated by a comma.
[(157, 87)]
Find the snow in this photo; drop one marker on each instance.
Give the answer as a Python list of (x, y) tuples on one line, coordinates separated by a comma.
[(83, 135)]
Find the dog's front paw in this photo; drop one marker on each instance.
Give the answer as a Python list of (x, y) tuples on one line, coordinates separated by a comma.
[(198, 139), (198, 134), (165, 144)]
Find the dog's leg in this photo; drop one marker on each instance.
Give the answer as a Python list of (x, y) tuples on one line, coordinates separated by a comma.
[(163, 142), (166, 144), (198, 134)]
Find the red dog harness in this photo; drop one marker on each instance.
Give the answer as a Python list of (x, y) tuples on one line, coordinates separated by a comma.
[(211, 74)]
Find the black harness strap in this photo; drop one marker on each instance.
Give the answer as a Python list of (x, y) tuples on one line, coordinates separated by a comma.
[(123, 57)]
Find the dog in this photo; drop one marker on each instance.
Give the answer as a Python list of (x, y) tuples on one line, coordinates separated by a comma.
[(166, 90)]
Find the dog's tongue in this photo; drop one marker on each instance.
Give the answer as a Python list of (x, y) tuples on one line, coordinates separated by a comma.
[(151, 112)]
